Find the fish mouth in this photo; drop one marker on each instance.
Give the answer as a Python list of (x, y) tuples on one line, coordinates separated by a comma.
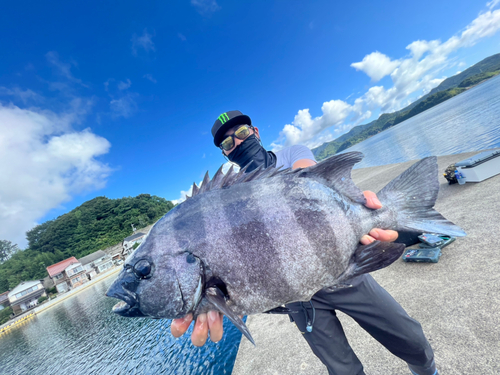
[(124, 309), (129, 304)]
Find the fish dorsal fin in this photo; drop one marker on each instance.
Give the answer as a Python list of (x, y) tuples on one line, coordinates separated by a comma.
[(335, 172), (205, 184)]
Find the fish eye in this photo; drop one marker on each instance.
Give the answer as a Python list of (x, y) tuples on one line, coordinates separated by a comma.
[(142, 269), (190, 258)]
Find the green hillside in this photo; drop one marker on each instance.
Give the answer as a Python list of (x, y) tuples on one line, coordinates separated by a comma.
[(95, 225), (450, 87), (489, 64)]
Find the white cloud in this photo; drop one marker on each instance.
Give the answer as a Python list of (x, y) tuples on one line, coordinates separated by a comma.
[(227, 165), (144, 42), (376, 65), (63, 69), (225, 168), (49, 162), (24, 95), (432, 83), (124, 106), (149, 77), (304, 127), (492, 4), (205, 7), (124, 85), (182, 198), (412, 76)]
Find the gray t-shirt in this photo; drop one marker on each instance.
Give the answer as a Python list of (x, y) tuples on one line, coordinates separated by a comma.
[(290, 155)]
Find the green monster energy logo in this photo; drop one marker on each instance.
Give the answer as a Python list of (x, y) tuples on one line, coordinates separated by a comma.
[(223, 118)]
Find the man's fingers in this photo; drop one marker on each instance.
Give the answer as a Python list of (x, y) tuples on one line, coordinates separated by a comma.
[(379, 235), (384, 235), (215, 325), (200, 331), (376, 234), (180, 326), (366, 240), (204, 322), (372, 200)]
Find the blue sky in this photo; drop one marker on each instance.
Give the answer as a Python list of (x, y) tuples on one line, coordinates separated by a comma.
[(118, 98)]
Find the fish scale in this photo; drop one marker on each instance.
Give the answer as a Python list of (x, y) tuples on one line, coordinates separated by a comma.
[(249, 243)]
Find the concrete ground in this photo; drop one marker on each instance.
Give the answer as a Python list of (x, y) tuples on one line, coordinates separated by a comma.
[(457, 300)]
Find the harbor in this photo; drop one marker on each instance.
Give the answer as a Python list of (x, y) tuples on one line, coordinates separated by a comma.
[(24, 318)]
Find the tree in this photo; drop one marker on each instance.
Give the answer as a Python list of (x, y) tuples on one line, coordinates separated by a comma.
[(96, 224), (7, 249)]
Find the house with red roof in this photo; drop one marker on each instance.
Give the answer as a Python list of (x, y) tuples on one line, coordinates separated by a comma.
[(67, 274)]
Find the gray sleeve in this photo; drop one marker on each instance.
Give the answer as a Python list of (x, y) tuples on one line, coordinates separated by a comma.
[(288, 156), (299, 152)]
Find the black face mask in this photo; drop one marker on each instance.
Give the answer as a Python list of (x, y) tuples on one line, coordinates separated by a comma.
[(251, 151)]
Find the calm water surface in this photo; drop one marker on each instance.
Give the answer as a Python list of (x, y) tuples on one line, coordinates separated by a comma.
[(467, 122), (82, 336)]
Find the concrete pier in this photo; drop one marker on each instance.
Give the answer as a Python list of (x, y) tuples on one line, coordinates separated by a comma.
[(457, 300)]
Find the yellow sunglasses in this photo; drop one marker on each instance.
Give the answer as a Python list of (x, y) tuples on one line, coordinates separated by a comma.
[(241, 133)]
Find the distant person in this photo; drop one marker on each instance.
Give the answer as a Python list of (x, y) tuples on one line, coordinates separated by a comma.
[(370, 305)]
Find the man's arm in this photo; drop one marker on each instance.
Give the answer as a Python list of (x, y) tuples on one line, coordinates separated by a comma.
[(303, 163)]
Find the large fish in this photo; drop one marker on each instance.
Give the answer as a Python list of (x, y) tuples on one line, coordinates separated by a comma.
[(248, 243)]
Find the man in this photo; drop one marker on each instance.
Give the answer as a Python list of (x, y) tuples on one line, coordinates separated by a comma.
[(365, 301)]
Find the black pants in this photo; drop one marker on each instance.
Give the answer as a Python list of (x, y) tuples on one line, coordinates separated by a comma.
[(374, 309)]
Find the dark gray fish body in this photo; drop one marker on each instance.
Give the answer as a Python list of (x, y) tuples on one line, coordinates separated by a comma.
[(246, 247)]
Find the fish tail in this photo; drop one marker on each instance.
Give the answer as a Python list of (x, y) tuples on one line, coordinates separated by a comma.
[(411, 197)]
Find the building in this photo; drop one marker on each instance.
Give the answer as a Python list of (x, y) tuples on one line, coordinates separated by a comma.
[(67, 274), (116, 254), (25, 296), (130, 241), (76, 275), (4, 300), (96, 263)]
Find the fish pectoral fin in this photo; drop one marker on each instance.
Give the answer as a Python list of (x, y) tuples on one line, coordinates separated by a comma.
[(215, 296), (372, 257), (337, 287), (280, 310)]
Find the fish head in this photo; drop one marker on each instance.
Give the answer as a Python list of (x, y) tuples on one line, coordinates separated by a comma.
[(168, 286)]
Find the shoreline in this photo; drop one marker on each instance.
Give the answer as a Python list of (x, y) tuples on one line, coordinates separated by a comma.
[(23, 318)]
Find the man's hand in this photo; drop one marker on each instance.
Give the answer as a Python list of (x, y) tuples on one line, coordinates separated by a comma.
[(212, 322), (376, 234), (204, 323)]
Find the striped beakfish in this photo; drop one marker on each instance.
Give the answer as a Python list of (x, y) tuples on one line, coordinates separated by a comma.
[(247, 243)]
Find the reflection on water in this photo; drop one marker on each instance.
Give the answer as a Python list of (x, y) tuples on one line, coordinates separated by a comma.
[(81, 335), (467, 122)]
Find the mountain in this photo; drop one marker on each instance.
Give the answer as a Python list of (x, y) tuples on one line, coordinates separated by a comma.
[(489, 64), (96, 224), (452, 86)]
